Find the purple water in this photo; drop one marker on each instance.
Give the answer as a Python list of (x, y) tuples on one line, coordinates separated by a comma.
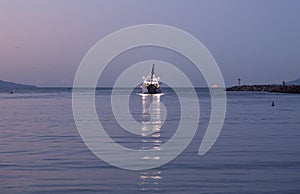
[(41, 150)]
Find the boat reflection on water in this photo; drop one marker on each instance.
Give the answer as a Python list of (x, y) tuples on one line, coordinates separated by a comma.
[(150, 179)]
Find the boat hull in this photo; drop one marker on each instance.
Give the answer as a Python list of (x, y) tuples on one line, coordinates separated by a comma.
[(152, 89)]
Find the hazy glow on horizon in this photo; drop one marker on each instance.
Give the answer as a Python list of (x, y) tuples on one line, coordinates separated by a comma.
[(43, 42)]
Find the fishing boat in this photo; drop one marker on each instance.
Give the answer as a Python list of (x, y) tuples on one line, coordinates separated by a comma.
[(151, 83)]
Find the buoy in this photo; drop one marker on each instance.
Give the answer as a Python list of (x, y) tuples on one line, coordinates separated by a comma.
[(273, 103), (11, 92)]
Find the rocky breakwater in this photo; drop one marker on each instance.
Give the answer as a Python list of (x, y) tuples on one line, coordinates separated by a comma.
[(267, 88)]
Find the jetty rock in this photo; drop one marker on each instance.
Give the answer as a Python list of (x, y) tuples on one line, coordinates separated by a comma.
[(267, 88)]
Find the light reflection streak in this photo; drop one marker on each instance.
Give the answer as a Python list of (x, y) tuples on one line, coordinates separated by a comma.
[(150, 179)]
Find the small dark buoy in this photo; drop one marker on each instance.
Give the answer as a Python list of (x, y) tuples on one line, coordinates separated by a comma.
[(11, 92), (273, 103)]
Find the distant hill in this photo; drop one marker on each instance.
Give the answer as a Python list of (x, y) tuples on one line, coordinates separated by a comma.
[(11, 85), (294, 82)]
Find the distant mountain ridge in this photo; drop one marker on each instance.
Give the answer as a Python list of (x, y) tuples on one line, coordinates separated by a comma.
[(11, 85), (294, 82)]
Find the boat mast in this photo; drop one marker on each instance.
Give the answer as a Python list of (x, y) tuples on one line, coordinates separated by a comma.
[(152, 73)]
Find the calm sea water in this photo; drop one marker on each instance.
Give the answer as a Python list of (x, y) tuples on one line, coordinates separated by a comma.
[(41, 151)]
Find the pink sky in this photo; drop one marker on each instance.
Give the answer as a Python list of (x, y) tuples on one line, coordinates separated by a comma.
[(43, 42)]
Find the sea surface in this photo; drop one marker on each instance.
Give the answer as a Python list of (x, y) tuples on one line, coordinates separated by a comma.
[(41, 151)]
